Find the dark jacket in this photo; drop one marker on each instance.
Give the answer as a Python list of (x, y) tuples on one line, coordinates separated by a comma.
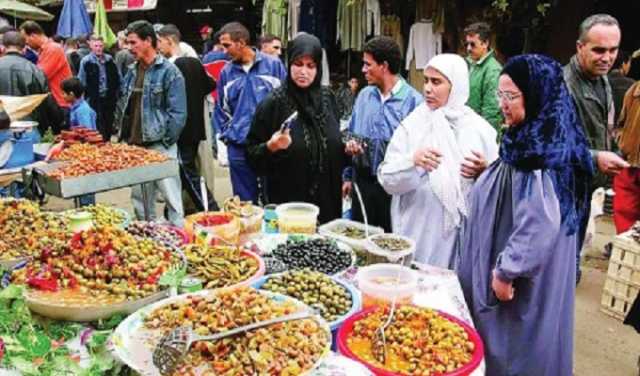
[(200, 85), (92, 83), (20, 77), (597, 116), (619, 86)]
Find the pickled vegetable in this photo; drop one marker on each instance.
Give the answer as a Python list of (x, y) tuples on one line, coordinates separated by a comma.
[(219, 266), (419, 341), (101, 264), (289, 348)]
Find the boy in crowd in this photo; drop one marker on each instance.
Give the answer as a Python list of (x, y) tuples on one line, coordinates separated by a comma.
[(80, 115)]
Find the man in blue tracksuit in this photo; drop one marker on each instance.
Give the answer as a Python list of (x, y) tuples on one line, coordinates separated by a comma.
[(243, 83)]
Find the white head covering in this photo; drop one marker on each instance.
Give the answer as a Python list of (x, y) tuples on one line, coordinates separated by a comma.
[(446, 182)]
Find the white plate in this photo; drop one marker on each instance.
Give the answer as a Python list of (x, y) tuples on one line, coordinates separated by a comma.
[(266, 243), (133, 344)]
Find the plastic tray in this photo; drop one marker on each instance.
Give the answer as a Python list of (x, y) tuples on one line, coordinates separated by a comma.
[(347, 328)]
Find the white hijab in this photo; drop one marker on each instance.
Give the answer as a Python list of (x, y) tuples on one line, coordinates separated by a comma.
[(446, 182)]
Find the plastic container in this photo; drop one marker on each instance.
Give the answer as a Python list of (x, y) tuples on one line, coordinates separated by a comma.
[(391, 256), (380, 283), (356, 304), (270, 219), (297, 218), (229, 232), (347, 328), (80, 221), (359, 246), (253, 223)]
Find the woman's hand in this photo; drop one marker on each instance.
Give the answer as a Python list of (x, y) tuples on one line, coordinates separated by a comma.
[(473, 165), (427, 158), (279, 141), (504, 290), (353, 147)]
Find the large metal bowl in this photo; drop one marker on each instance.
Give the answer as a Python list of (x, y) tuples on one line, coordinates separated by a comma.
[(49, 305), (133, 344)]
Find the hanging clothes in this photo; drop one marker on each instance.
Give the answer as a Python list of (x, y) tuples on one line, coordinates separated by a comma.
[(316, 18), (294, 18), (392, 27), (274, 19), (351, 31), (438, 16), (423, 44), (373, 18)]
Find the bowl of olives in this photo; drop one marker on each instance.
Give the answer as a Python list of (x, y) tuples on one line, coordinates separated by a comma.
[(333, 298)]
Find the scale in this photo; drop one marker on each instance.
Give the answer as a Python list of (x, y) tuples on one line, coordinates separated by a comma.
[(16, 144), (22, 126)]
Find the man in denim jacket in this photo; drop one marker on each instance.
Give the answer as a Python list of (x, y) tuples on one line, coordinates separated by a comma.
[(151, 113)]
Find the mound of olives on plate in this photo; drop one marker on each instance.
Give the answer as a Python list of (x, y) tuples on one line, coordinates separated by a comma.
[(315, 289)]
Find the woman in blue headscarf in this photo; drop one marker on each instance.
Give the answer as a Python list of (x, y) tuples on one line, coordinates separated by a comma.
[(518, 261)]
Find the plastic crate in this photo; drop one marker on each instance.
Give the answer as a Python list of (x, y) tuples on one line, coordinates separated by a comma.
[(623, 277)]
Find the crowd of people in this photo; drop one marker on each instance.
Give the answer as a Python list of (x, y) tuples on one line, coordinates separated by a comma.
[(490, 169)]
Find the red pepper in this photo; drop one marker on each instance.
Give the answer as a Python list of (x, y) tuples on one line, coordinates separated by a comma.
[(214, 220), (76, 241), (45, 284)]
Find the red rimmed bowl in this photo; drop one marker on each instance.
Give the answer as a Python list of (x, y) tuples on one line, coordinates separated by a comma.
[(347, 328)]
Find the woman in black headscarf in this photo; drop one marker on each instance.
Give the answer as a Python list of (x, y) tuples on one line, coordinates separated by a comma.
[(303, 162)]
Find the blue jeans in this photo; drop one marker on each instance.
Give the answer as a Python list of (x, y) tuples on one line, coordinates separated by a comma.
[(243, 180)]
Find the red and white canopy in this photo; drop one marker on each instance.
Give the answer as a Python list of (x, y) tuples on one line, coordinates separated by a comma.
[(122, 5)]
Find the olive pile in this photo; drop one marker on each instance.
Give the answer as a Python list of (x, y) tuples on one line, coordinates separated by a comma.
[(158, 232), (391, 244), (103, 215), (317, 254), (315, 289), (273, 265), (419, 341), (25, 230), (104, 262)]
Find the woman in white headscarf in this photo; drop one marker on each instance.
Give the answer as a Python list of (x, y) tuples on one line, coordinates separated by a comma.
[(432, 161)]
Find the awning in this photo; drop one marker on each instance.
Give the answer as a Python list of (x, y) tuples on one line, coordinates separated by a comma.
[(24, 11), (122, 5)]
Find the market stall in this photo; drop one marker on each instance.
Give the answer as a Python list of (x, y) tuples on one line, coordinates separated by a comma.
[(117, 294), (89, 168)]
